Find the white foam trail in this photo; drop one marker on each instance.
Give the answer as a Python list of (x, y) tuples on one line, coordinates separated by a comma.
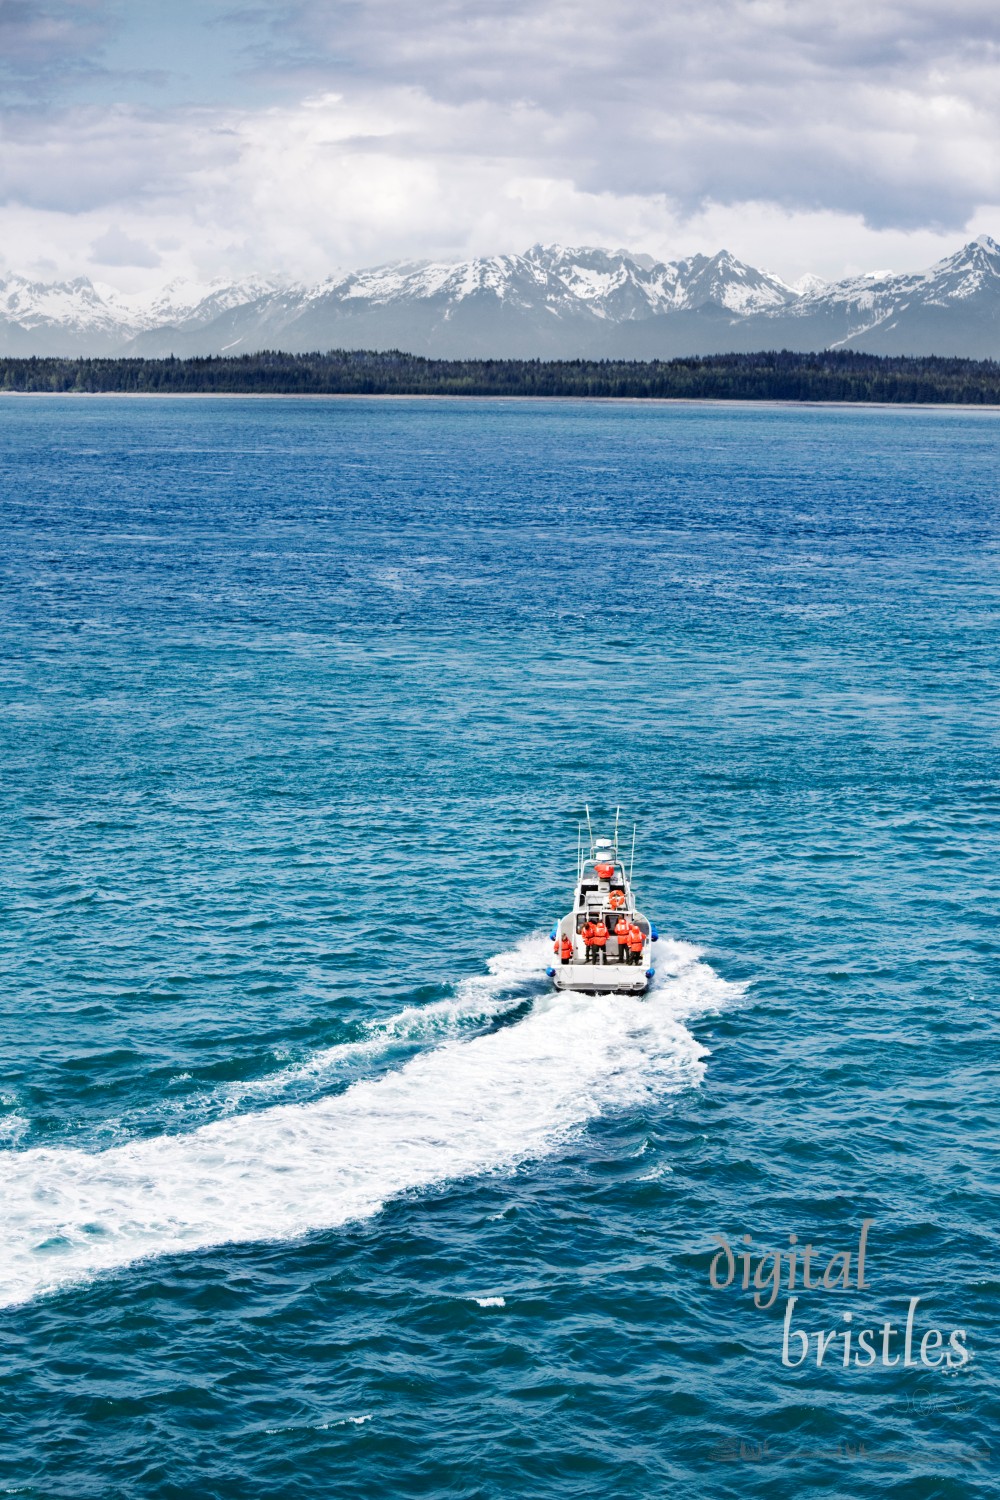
[(468, 1106), (478, 998)]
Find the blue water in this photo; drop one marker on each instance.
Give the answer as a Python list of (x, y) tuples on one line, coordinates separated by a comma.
[(310, 1186)]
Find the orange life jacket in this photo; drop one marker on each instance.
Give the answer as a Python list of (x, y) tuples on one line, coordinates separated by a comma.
[(605, 871), (635, 940), (622, 930), (587, 933), (600, 935), (566, 949), (616, 900)]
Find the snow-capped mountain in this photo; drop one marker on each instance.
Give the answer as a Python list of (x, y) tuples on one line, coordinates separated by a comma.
[(952, 308), (84, 317), (197, 302), (550, 302), (37, 316)]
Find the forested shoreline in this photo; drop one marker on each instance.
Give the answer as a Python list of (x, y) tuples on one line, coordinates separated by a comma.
[(836, 375)]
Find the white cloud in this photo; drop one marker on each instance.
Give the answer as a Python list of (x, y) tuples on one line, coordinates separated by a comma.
[(806, 138), (888, 110), (44, 39), (116, 248)]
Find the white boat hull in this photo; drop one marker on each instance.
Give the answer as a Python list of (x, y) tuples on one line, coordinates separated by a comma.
[(601, 979)]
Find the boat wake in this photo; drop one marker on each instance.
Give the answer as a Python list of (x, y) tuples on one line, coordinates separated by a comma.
[(466, 1106), (511, 978)]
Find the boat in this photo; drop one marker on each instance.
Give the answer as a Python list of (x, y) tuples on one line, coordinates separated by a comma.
[(603, 893)]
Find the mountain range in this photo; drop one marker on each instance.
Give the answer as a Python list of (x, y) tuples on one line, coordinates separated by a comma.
[(551, 302)]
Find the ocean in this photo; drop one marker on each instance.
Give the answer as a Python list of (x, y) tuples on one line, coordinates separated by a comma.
[(310, 1183)]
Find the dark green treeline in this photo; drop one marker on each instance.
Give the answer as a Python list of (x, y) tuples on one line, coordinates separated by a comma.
[(831, 376)]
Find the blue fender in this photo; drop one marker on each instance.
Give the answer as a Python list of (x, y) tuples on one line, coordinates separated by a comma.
[(550, 971), (650, 973), (652, 932), (552, 935)]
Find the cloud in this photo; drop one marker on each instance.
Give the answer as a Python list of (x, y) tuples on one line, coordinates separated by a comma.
[(116, 248), (43, 41), (332, 182), (797, 134), (93, 157), (887, 110)]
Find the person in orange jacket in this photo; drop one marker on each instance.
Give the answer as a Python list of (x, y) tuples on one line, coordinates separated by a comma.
[(621, 933), (635, 944), (600, 940), (587, 933), (564, 947)]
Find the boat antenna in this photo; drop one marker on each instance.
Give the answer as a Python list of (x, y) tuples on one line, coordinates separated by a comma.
[(579, 850), (590, 829), (632, 860), (617, 815)]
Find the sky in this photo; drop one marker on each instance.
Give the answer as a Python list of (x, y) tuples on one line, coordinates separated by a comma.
[(197, 139)]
